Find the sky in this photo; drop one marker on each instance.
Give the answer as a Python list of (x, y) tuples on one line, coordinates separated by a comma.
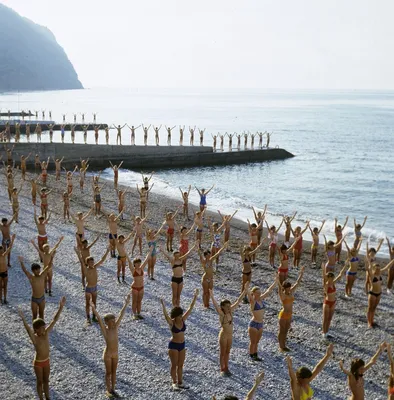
[(292, 44)]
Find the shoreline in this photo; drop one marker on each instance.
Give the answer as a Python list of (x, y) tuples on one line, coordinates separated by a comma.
[(76, 352)]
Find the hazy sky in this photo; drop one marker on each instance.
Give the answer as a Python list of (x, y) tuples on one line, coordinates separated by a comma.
[(336, 44)]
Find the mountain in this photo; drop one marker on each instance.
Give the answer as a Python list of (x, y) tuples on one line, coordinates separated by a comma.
[(31, 58)]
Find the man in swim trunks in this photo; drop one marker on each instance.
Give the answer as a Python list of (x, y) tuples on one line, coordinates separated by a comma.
[(80, 224), (39, 336), (41, 223), (6, 236), (37, 281)]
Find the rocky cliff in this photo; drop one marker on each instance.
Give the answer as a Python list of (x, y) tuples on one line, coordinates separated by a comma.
[(31, 58)]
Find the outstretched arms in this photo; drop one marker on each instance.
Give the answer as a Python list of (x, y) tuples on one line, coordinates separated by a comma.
[(189, 310), (123, 310), (57, 315)]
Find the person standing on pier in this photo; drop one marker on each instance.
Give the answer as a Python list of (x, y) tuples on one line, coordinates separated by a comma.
[(94, 117), (119, 134), (192, 135), (252, 140), (17, 132), (96, 133), (132, 138), (72, 127), (157, 138), (85, 133), (268, 139), (214, 137), (27, 130), (201, 136), (260, 140), (181, 130), (62, 132), (238, 142), (75, 118), (146, 130), (245, 140), (221, 142), (38, 132), (64, 117), (50, 126), (230, 141), (169, 135)]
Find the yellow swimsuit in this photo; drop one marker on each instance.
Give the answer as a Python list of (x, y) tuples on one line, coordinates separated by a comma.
[(308, 395)]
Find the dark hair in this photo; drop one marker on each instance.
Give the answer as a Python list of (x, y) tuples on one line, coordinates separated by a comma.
[(137, 261), (230, 397), (84, 241), (38, 323), (283, 247), (253, 225), (303, 373), (183, 228), (176, 312), (372, 250), (121, 236), (35, 266), (224, 302), (330, 243), (4, 220), (286, 285), (355, 365), (330, 275), (206, 252), (358, 226)]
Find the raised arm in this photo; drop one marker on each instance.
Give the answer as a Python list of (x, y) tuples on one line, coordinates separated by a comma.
[(210, 189), (379, 245), (345, 371), (188, 253), (217, 254), (269, 290), (123, 310), (57, 315), (340, 275), (29, 330), (56, 245), (103, 258), (320, 365), (346, 221), (340, 242), (389, 265), (259, 378), (97, 315), (165, 254), (215, 304), (27, 273), (238, 301), (292, 375), (94, 242), (373, 360), (298, 281), (166, 316), (189, 310), (8, 251)]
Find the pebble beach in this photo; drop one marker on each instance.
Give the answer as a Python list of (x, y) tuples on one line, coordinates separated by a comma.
[(77, 369)]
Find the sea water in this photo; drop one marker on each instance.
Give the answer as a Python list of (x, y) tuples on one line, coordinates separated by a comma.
[(342, 142)]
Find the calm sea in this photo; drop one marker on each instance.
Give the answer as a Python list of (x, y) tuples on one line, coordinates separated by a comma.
[(342, 142)]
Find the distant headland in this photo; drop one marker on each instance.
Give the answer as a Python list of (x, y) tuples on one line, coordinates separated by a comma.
[(31, 58)]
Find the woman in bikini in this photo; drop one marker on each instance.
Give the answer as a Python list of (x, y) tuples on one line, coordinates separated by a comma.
[(15, 201), (330, 247), (185, 198), (122, 256), (171, 226), (137, 267), (69, 179), (151, 238), (184, 242), (97, 199), (375, 293), (116, 169), (199, 223), (339, 235), (259, 218), (225, 311), (273, 240), (175, 260), (371, 256), (287, 221), (283, 252), (356, 373), (143, 199), (44, 171), (315, 232), (390, 278), (253, 230), (297, 249), (329, 281), (207, 260), (226, 219), (145, 181), (215, 231), (301, 379), (357, 231), (351, 273), (256, 299), (138, 231), (246, 258), (203, 197), (286, 294), (176, 347)]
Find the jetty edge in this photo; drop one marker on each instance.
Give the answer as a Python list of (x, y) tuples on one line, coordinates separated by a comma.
[(140, 157)]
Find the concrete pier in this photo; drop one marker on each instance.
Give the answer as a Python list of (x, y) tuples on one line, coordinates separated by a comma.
[(143, 157)]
